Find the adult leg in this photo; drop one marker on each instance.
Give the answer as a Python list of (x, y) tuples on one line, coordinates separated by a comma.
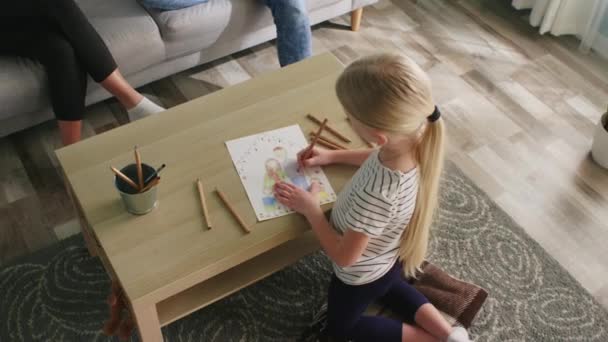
[(66, 78), (94, 54), (67, 83), (70, 131), (86, 42), (294, 41), (90, 50)]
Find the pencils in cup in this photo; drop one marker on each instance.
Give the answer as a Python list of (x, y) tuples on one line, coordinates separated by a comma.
[(154, 174), (140, 173), (124, 178)]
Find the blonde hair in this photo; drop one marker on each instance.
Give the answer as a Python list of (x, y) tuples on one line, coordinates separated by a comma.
[(392, 93)]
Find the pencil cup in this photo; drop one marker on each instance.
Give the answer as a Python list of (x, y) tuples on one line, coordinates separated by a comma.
[(136, 203)]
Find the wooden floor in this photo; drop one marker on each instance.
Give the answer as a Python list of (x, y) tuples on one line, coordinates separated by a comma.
[(521, 109)]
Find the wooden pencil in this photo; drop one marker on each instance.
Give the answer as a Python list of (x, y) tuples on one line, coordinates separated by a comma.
[(152, 183), (201, 192), (154, 174), (317, 135), (233, 211), (125, 178), (328, 145), (329, 129), (140, 173), (327, 140), (308, 150)]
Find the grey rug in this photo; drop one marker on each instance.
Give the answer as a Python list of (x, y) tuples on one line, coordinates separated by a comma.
[(59, 294)]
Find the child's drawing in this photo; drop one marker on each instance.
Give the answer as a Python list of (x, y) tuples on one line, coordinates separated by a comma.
[(274, 174), (323, 195), (264, 159), (291, 169)]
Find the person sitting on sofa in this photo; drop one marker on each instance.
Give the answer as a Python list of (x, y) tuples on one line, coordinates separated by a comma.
[(294, 41), (58, 35)]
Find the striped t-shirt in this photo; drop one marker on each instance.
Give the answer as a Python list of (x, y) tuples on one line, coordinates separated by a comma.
[(378, 202)]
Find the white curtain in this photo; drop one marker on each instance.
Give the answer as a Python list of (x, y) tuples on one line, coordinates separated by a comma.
[(578, 17)]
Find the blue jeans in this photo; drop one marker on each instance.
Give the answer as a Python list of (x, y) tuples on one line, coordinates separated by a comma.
[(290, 17)]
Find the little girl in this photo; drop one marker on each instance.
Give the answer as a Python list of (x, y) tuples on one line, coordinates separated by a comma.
[(379, 226)]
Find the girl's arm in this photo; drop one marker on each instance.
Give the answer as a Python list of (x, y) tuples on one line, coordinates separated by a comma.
[(320, 157), (345, 249)]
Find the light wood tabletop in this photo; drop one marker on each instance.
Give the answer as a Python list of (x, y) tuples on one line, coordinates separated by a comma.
[(160, 258)]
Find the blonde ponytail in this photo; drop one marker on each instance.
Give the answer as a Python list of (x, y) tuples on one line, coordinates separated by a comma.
[(392, 93), (429, 155)]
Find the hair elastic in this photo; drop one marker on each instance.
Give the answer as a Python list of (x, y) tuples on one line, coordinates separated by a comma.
[(435, 116)]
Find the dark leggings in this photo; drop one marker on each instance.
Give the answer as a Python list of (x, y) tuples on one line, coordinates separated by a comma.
[(347, 303), (58, 35)]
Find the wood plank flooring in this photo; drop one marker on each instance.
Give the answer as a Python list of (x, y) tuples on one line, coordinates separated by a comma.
[(520, 108)]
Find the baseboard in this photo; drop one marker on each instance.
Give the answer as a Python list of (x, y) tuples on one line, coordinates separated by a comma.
[(601, 45)]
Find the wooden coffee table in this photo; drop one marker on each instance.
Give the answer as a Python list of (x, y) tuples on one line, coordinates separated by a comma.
[(167, 262)]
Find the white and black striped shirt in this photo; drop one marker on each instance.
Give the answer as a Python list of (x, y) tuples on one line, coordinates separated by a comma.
[(378, 202)]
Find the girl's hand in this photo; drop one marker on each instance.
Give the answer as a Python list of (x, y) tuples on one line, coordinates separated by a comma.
[(298, 199), (316, 157)]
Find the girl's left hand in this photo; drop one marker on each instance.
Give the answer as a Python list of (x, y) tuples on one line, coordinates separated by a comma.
[(296, 198)]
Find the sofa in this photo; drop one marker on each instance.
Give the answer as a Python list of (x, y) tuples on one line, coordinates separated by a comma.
[(149, 45)]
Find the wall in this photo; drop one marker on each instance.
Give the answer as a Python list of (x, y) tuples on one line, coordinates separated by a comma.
[(601, 43), (604, 25)]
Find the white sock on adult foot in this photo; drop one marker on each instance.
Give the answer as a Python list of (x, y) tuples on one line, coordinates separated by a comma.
[(144, 108), (459, 334)]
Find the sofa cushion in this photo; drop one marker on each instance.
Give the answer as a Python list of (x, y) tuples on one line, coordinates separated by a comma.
[(362, 3), (130, 33), (314, 5), (265, 19), (193, 28), (23, 86)]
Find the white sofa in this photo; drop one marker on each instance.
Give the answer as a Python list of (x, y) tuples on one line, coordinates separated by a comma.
[(150, 45)]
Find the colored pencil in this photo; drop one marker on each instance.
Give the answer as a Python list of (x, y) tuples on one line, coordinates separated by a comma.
[(317, 135), (233, 211), (308, 150), (125, 178), (328, 145), (152, 184), (201, 192), (154, 174), (329, 129), (140, 173), (329, 141)]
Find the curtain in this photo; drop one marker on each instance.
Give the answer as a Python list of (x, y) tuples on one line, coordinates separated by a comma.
[(582, 18)]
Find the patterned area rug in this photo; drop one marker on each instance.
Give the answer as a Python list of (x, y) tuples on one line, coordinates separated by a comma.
[(59, 294)]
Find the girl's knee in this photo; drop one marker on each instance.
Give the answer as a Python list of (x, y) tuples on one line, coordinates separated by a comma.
[(339, 331)]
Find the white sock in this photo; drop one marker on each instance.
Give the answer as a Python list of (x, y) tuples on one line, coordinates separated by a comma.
[(144, 108), (459, 334)]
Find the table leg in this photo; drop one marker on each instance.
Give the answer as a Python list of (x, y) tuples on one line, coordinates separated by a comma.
[(147, 323), (89, 240), (355, 19)]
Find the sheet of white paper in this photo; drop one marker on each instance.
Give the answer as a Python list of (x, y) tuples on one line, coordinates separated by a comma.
[(261, 159)]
